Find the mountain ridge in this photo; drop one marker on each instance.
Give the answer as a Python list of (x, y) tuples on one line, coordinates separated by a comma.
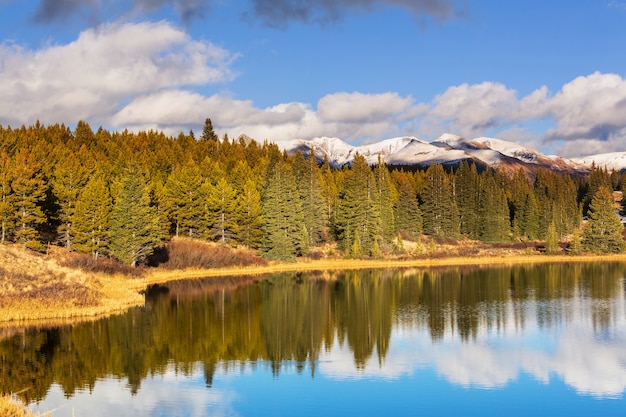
[(450, 149)]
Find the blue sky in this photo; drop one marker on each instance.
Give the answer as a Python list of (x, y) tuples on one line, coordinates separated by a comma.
[(546, 74)]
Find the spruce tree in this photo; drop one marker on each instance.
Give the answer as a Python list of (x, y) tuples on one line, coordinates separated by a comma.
[(408, 217), (597, 178), (467, 196), (309, 182), (70, 176), (604, 231), (386, 196), (7, 197), (222, 202), (439, 210), (248, 212), (357, 220), (91, 218), (552, 240), (208, 134), (183, 199), (494, 211), (30, 191), (524, 208), (329, 195), (134, 231), (283, 228)]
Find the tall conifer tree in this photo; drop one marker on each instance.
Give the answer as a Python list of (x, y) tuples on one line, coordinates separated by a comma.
[(604, 231), (30, 191), (467, 196), (386, 196), (439, 211), (134, 231), (249, 218), (494, 211), (309, 183), (70, 176), (7, 197), (357, 221), (91, 218), (408, 216), (222, 204), (183, 199), (284, 230)]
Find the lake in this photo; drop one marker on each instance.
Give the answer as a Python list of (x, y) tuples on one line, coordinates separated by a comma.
[(546, 340)]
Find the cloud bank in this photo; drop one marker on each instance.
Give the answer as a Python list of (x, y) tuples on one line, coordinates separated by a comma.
[(272, 13), (143, 75), (89, 78), (280, 13)]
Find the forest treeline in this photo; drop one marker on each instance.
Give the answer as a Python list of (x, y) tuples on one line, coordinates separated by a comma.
[(121, 194)]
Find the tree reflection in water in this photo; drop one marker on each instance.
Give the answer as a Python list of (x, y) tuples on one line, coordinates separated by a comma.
[(298, 317)]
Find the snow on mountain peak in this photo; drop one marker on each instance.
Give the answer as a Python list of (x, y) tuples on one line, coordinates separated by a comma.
[(451, 149), (610, 161)]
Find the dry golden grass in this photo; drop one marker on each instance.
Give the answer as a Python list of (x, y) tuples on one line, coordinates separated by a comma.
[(36, 289), (35, 286), (15, 408), (156, 277)]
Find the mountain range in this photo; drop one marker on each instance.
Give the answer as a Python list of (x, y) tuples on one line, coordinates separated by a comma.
[(451, 150)]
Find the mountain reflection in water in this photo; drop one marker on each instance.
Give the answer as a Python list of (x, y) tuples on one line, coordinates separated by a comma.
[(473, 327)]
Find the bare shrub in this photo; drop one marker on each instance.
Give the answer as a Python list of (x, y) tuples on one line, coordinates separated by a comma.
[(108, 266), (183, 253)]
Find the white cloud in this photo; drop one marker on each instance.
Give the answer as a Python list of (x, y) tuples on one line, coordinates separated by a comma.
[(590, 107), (142, 76), (88, 78), (362, 108), (571, 352)]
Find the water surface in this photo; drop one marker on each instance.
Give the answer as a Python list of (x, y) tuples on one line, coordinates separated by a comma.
[(524, 340)]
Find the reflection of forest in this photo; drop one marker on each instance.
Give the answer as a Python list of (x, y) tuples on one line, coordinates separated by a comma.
[(294, 317)]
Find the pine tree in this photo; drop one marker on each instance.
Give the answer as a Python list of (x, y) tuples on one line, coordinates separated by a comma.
[(467, 196), (552, 240), (134, 231), (357, 218), (568, 214), (439, 210), (208, 134), (575, 245), (70, 176), (249, 218), (407, 212), (222, 203), (30, 191), (183, 199), (385, 198), (604, 231), (524, 208), (83, 135), (282, 214), (91, 218), (597, 178), (494, 211), (330, 196), (309, 182), (7, 197)]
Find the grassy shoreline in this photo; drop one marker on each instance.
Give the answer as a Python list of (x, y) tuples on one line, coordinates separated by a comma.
[(67, 295)]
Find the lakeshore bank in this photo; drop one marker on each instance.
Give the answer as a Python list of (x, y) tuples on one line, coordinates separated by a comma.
[(36, 290)]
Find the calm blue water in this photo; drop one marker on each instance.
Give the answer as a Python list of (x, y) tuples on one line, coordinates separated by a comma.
[(509, 341)]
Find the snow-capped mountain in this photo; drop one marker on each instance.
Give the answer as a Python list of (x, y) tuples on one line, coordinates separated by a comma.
[(448, 149), (611, 161)]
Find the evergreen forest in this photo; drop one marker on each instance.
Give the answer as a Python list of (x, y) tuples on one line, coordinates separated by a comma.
[(122, 194)]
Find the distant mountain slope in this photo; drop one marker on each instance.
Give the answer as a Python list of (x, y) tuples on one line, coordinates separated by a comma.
[(611, 161), (450, 149)]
